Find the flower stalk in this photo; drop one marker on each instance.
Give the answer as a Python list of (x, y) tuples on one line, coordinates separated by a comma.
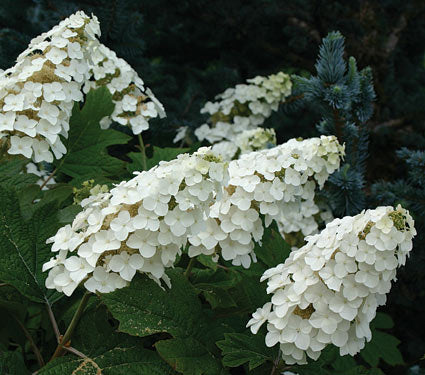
[(143, 150), (70, 330)]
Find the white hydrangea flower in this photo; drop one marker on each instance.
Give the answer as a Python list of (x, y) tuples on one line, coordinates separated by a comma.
[(255, 140), (139, 226), (38, 93), (238, 111), (328, 293), (259, 185), (135, 105), (36, 100), (181, 133)]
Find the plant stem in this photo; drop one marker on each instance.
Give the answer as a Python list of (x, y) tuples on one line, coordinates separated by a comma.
[(48, 179), (80, 309), (189, 267), (53, 321), (75, 351), (34, 347), (339, 125), (143, 149), (279, 365)]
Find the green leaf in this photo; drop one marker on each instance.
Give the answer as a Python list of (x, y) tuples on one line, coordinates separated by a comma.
[(166, 153), (108, 351), (274, 249), (331, 363), (13, 302), (316, 368), (23, 248), (11, 173), (239, 348), (118, 361), (185, 355), (250, 293), (12, 363), (86, 144), (143, 309), (343, 363), (215, 285), (382, 321), (66, 215), (207, 261), (382, 346), (59, 193), (375, 371), (159, 154), (28, 195), (346, 365)]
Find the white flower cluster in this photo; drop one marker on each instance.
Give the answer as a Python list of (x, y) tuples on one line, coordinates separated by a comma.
[(265, 182), (256, 139), (328, 290), (244, 107), (140, 225), (38, 93), (134, 105), (247, 141), (303, 217)]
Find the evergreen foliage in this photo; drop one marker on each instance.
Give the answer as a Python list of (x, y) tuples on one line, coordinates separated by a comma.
[(343, 95)]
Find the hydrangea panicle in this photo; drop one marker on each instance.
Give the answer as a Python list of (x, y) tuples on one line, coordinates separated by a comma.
[(135, 105), (37, 94), (139, 226), (328, 290), (270, 183), (243, 108)]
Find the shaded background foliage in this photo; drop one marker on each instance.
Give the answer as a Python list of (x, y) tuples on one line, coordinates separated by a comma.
[(189, 51)]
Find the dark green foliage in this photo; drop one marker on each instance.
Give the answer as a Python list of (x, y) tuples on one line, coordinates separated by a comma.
[(159, 154), (331, 363), (239, 348), (10, 173), (383, 346), (87, 157), (107, 351), (12, 363), (144, 309), (23, 248), (187, 52), (273, 249)]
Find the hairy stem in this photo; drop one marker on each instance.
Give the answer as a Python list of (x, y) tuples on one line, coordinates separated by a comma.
[(279, 365), (189, 267), (53, 321), (48, 179), (143, 149), (66, 337), (74, 351), (34, 347)]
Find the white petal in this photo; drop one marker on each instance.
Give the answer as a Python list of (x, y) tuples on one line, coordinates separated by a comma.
[(116, 263)]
